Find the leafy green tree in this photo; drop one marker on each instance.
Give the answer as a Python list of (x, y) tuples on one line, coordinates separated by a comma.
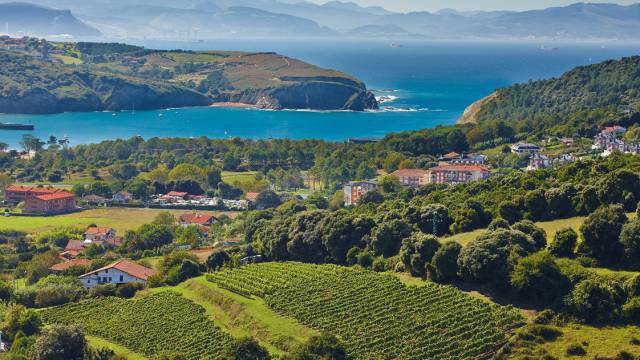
[(18, 319), (510, 211), (214, 177), (217, 260), (470, 217), (319, 347), (390, 184), (536, 204), (538, 278), (61, 343), (564, 243), (538, 234), (267, 199), (337, 201), (164, 218), (630, 240), (595, 300), (371, 197), (6, 291), (185, 171), (245, 349), (445, 261), (418, 250), (387, 237), (230, 162), (601, 231)]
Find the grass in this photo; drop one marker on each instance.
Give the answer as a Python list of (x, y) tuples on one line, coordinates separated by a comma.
[(241, 316), (601, 342), (68, 60), (99, 343), (550, 227), (121, 219), (245, 180)]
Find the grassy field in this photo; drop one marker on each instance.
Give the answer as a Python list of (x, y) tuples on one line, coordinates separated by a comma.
[(241, 316), (99, 343), (551, 228), (245, 180), (606, 342), (120, 219)]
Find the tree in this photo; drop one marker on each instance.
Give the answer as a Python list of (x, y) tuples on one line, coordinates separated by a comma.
[(217, 260), (536, 204), (417, 251), (337, 201), (39, 266), (5, 181), (184, 172), (538, 234), (387, 237), (630, 241), (317, 200), (159, 174), (245, 349), (214, 177), (538, 278), (564, 243), (230, 162), (601, 231), (371, 197), (320, 347), (267, 200), (20, 319), (61, 343), (164, 218), (445, 261), (227, 191), (432, 219), (390, 184), (595, 300), (509, 211), (491, 256), (470, 217)]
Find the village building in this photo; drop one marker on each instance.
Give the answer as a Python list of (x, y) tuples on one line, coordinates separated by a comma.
[(16, 193), (99, 234), (66, 265), (251, 197), (95, 200), (356, 189), (458, 174), (197, 219), (539, 161), (122, 197), (120, 272), (412, 177), (525, 148), (49, 204), (614, 130)]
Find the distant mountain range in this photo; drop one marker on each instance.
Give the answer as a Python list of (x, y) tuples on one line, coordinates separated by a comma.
[(206, 19), (27, 19)]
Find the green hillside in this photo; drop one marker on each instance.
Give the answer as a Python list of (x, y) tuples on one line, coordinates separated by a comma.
[(578, 99), (376, 315), (42, 77)]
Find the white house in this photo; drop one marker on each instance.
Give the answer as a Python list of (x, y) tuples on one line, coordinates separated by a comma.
[(522, 148), (122, 196), (121, 272)]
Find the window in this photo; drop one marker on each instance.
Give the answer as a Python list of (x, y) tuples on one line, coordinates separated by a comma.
[(121, 278), (106, 271)]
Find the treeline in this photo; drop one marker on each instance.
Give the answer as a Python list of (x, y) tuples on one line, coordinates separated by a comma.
[(571, 104)]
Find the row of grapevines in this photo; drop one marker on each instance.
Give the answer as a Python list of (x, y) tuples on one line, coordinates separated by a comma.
[(161, 323), (376, 315)]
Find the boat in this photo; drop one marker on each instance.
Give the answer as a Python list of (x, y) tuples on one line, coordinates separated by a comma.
[(9, 126)]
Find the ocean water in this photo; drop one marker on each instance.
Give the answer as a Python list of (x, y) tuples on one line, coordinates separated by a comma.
[(431, 84)]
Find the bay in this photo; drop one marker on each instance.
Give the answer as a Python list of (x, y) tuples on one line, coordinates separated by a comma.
[(432, 83)]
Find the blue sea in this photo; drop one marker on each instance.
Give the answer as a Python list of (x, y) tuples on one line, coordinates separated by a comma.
[(432, 83)]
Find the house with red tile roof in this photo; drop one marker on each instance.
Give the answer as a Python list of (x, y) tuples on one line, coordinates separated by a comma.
[(120, 272), (65, 265), (18, 193), (52, 203), (197, 219), (412, 177), (122, 196), (251, 196), (99, 234)]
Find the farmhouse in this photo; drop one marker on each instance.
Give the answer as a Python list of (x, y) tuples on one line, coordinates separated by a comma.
[(99, 234), (54, 203), (58, 268), (412, 177), (120, 272), (197, 219)]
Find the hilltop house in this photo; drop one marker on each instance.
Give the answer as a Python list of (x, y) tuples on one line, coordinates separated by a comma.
[(120, 272)]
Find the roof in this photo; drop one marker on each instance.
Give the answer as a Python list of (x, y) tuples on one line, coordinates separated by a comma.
[(56, 196), (177, 193), (251, 196), (128, 267), (33, 189), (410, 173), (196, 218), (525, 145), (123, 193), (69, 264), (98, 231), (93, 198), (74, 245), (460, 168), (451, 155)]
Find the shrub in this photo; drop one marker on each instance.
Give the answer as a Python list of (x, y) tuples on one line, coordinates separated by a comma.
[(538, 278), (564, 243), (499, 223), (102, 290), (217, 260), (127, 291), (245, 349), (538, 235), (595, 300), (632, 286), (60, 343), (323, 346), (630, 241), (631, 310), (6, 291), (54, 295), (418, 250), (576, 350), (601, 231), (445, 261)]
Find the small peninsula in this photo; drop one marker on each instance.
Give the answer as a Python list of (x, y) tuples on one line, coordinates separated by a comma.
[(42, 77)]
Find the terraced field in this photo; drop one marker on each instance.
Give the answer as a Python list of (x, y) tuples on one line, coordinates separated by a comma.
[(376, 315)]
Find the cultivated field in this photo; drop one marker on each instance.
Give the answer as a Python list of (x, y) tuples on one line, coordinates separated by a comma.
[(120, 219)]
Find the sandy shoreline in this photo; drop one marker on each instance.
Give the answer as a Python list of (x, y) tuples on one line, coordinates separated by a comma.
[(233, 105)]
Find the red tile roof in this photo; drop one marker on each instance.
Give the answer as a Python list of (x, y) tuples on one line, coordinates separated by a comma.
[(124, 193), (196, 218), (451, 155), (177, 194), (33, 189), (129, 267), (56, 196), (410, 173), (69, 264), (460, 168), (251, 196), (77, 245), (98, 231)]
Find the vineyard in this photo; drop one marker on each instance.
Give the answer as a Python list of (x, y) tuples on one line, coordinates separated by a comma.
[(376, 315), (161, 323)]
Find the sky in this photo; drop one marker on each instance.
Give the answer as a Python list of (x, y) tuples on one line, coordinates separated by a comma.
[(432, 5)]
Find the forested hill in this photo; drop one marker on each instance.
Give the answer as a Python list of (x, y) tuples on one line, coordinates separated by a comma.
[(607, 88), (45, 77)]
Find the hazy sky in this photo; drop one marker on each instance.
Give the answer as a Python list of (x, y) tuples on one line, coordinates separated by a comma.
[(430, 5)]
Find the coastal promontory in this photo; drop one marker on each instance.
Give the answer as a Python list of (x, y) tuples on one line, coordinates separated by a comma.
[(41, 77)]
